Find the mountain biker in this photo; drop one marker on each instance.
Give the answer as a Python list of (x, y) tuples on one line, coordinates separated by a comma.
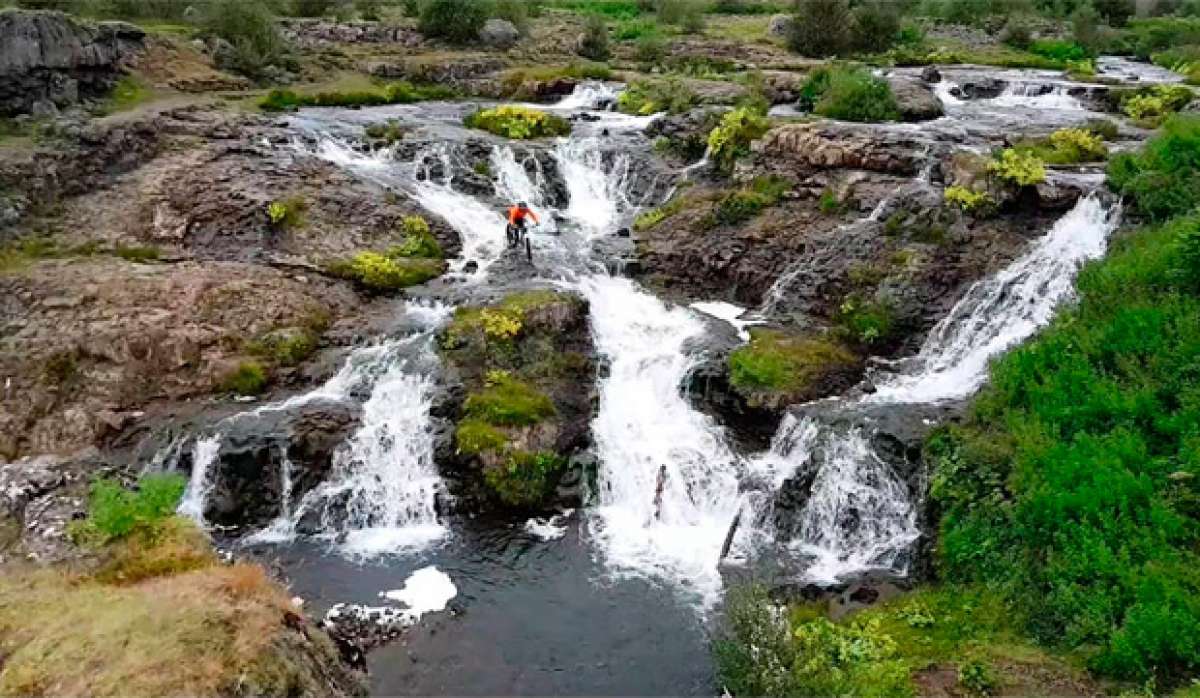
[(517, 216)]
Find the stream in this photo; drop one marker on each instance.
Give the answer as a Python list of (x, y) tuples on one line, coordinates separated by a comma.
[(611, 599)]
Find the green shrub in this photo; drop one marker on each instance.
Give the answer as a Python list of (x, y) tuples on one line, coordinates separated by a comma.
[(866, 321), (394, 93), (1152, 104), (1103, 128), (775, 364), (514, 121), (876, 26), (509, 401), (418, 240), (369, 10), (748, 202), (1059, 50), (820, 28), (474, 436), (525, 479), (1162, 33), (651, 218), (388, 132), (1017, 33), (1163, 180), (856, 95), (976, 678), (517, 12), (594, 44), (250, 28), (1085, 29), (115, 512), (647, 97), (311, 8), (636, 29), (387, 272), (137, 253), (731, 139), (248, 378), (287, 214), (1072, 145), (970, 201), (650, 48), (457, 21), (1018, 167)]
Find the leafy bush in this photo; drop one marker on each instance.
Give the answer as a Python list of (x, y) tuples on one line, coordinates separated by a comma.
[(1059, 50), (856, 95), (457, 21), (876, 26), (1073, 145), (1017, 33), (474, 436), (418, 240), (1163, 180), (1074, 486), (1152, 104), (525, 479), (731, 139), (509, 401), (867, 321), (250, 28), (650, 48), (647, 97), (1018, 167), (287, 214), (514, 121), (820, 28), (969, 201), (311, 8), (387, 272), (248, 378), (401, 92), (775, 367), (594, 45), (1162, 33), (115, 512), (517, 12), (976, 678)]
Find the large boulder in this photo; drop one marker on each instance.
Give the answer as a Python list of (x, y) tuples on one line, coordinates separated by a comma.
[(916, 100), (780, 25), (49, 60), (499, 33), (829, 145)]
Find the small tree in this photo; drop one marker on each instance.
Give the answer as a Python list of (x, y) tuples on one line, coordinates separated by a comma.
[(593, 45), (820, 28), (458, 21), (1085, 26), (514, 11), (876, 26)]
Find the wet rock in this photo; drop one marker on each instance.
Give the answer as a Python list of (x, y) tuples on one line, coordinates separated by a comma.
[(979, 88), (797, 148), (445, 72), (39, 498), (916, 100), (687, 133), (499, 33), (50, 60), (931, 74)]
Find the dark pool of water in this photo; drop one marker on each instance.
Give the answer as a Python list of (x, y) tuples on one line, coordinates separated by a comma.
[(532, 617)]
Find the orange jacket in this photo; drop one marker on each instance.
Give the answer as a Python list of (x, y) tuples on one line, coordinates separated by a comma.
[(516, 214)]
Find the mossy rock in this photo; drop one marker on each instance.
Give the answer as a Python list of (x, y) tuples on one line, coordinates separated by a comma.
[(777, 368)]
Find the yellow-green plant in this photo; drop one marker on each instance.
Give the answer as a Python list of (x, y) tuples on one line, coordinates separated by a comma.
[(1018, 167), (514, 121), (731, 139), (418, 240), (287, 213), (382, 272), (967, 200), (1078, 145), (498, 324)]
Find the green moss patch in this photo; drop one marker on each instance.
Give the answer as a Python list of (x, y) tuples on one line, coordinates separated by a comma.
[(524, 479), (508, 401), (776, 367), (515, 121), (387, 271), (394, 93)]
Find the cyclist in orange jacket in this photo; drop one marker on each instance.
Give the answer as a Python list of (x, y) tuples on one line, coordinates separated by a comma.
[(517, 216)]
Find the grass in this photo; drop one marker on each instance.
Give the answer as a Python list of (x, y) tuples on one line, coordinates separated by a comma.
[(866, 321), (1163, 179), (499, 322), (776, 367), (746, 203), (515, 121), (651, 96), (137, 253), (115, 512), (128, 93), (368, 96), (650, 219), (508, 401)]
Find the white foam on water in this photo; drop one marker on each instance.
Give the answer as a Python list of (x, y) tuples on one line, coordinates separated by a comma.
[(729, 313), (425, 591), (589, 95), (549, 528), (645, 427), (595, 183), (204, 455), (1003, 310)]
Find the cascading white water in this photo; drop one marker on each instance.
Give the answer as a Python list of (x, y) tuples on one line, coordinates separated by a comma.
[(1002, 310), (589, 95), (1017, 94), (512, 181), (283, 528), (598, 189), (645, 427), (859, 513), (204, 455), (480, 227)]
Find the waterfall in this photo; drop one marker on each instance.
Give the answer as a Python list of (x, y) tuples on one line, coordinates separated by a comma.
[(481, 227), (589, 95), (512, 181), (598, 189), (645, 427), (204, 455), (1037, 95), (859, 513), (1002, 310)]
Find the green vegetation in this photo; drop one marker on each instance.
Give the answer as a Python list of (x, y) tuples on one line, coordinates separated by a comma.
[(1059, 50), (976, 203), (137, 253), (115, 512), (418, 240), (521, 82), (457, 21), (1018, 167), (1150, 105), (287, 214), (61, 368), (128, 93), (775, 368), (499, 322), (747, 202), (654, 216), (250, 29), (387, 271), (651, 96), (474, 436), (388, 132), (1163, 179), (1151, 35), (866, 321), (393, 93), (594, 43), (1184, 60), (849, 94), (248, 378), (514, 121), (1067, 146), (508, 401), (524, 479), (731, 139)]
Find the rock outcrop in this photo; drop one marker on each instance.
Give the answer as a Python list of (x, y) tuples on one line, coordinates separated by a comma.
[(499, 33), (828, 145), (916, 101), (49, 60)]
